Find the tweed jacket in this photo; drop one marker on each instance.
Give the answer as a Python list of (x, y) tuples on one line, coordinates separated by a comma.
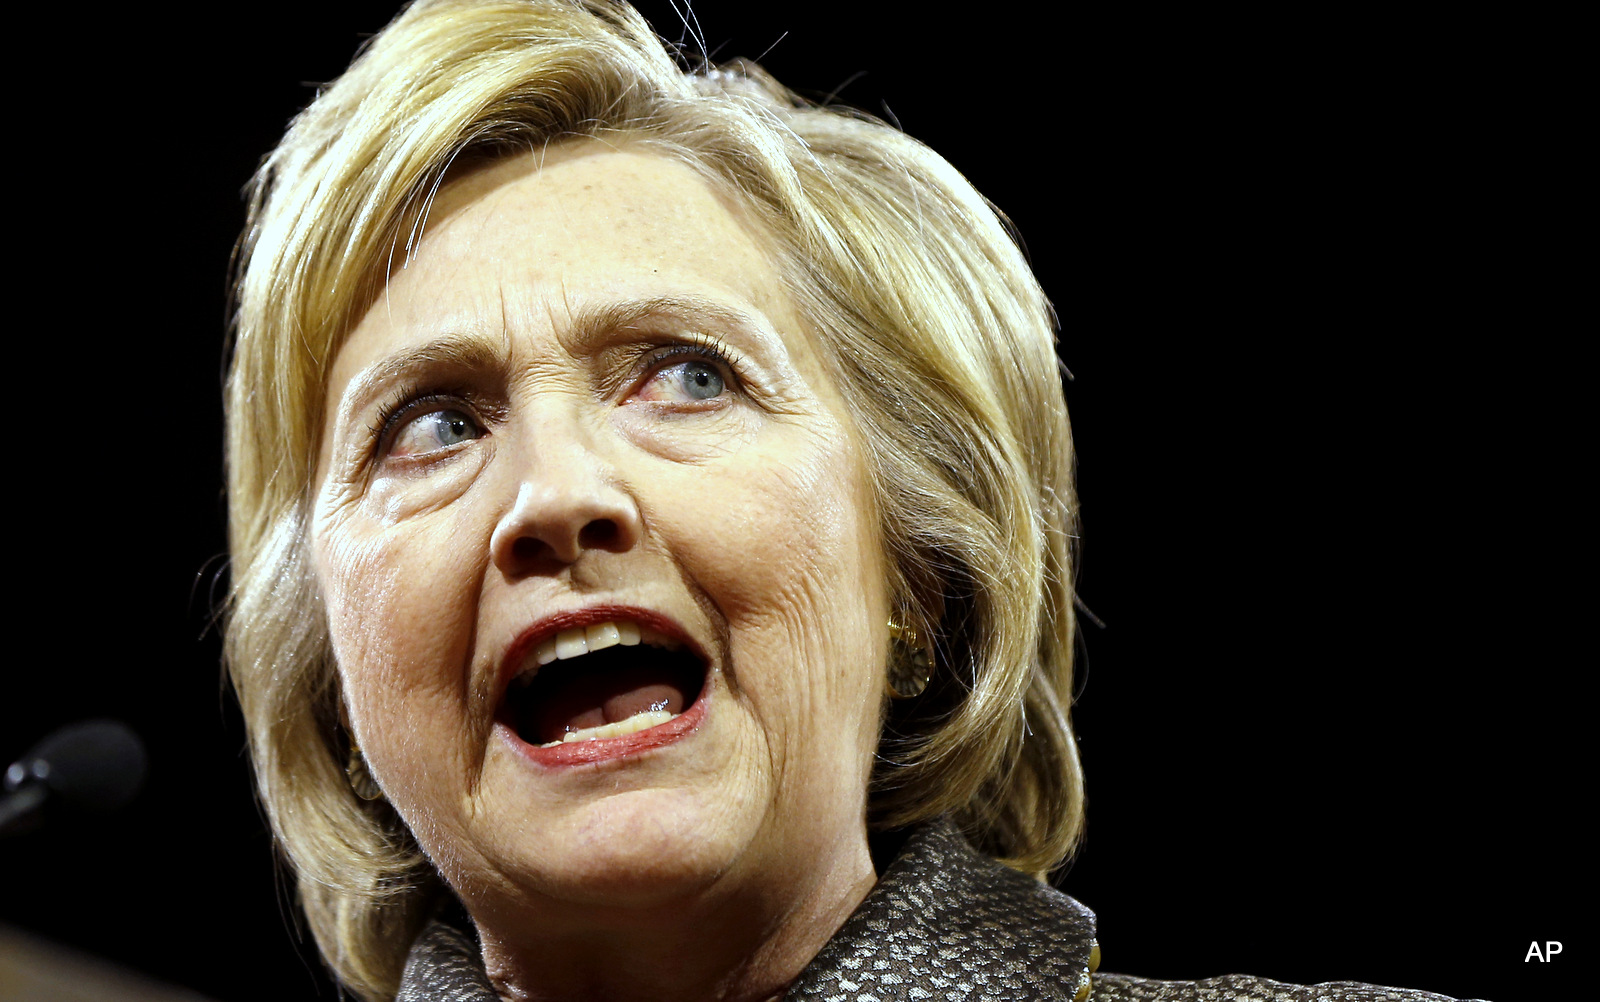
[(945, 923)]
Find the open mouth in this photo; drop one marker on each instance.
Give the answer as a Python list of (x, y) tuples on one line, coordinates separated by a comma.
[(603, 680)]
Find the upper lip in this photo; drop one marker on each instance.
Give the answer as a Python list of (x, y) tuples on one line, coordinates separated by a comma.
[(530, 638)]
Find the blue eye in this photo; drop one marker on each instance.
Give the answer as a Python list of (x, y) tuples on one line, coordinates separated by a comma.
[(701, 380), (688, 381), (433, 431)]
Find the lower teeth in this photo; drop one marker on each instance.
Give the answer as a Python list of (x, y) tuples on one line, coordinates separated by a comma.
[(638, 722)]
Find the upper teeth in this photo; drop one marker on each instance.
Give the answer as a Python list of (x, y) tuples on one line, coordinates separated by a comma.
[(587, 639)]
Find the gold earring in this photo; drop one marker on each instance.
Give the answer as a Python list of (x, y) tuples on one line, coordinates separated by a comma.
[(355, 764), (910, 661), (355, 770)]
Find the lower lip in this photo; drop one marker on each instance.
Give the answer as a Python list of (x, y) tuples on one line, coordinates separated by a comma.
[(572, 753)]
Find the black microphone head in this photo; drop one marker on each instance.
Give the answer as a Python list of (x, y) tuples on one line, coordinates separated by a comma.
[(93, 765)]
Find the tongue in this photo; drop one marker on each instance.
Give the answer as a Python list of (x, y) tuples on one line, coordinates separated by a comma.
[(605, 697)]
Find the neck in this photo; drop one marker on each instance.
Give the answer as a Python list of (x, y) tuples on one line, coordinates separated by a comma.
[(715, 946)]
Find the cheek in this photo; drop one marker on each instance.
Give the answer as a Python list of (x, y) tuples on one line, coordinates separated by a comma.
[(401, 613), (794, 564)]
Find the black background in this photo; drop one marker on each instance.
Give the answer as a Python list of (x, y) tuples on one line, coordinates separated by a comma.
[(1326, 726)]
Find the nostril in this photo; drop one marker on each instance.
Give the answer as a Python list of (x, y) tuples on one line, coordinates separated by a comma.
[(527, 548), (540, 546), (600, 534)]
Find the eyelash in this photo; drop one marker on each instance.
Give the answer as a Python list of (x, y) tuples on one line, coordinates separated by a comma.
[(408, 400), (405, 402), (706, 348)]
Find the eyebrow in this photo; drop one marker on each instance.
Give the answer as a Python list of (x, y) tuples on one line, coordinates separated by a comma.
[(468, 352), (481, 353), (589, 324)]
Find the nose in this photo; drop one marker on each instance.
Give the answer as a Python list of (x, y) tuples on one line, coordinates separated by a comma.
[(568, 503)]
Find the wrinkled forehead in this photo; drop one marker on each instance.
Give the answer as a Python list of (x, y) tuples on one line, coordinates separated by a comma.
[(587, 205), (525, 245)]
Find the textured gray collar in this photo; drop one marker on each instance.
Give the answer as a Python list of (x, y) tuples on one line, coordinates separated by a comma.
[(943, 923)]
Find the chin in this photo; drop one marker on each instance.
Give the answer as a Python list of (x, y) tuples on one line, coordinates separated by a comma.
[(640, 848)]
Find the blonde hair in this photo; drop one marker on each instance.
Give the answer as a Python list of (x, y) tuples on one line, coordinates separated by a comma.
[(925, 309)]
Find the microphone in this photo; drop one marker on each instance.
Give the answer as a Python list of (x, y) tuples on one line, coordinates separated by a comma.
[(92, 766)]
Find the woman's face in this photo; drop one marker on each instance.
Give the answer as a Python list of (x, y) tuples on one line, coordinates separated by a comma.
[(588, 400)]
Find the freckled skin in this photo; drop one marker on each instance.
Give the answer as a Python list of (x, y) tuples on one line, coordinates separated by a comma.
[(710, 868)]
